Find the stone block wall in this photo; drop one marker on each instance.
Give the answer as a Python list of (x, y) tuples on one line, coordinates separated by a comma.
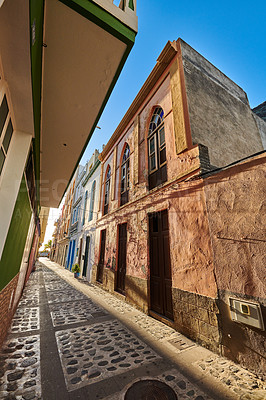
[(197, 316), (7, 310)]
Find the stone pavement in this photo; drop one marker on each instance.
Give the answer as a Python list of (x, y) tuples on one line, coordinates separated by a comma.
[(72, 340)]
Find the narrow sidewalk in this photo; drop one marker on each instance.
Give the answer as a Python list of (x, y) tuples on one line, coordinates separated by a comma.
[(72, 340)]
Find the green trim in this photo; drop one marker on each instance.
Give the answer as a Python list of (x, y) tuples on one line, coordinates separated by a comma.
[(131, 4), (102, 18), (36, 28), (96, 165), (118, 72), (16, 238)]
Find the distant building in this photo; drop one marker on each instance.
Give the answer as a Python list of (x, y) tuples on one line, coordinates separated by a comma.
[(81, 233), (61, 238), (44, 215), (89, 215), (75, 225)]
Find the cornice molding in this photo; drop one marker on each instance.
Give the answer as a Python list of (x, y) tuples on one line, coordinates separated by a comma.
[(164, 59)]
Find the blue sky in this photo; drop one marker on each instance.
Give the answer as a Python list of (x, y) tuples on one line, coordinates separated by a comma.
[(230, 34)]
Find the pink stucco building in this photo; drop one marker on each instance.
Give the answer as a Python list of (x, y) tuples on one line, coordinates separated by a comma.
[(175, 236)]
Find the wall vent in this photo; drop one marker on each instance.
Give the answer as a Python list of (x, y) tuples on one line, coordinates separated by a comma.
[(246, 312)]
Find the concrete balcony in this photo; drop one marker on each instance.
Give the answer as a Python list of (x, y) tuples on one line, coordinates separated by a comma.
[(61, 60), (86, 46)]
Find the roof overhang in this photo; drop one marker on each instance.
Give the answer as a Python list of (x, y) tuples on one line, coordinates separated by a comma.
[(84, 52), (61, 63)]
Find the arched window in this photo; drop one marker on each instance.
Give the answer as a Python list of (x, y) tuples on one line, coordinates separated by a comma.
[(107, 190), (156, 149), (92, 200), (125, 176)]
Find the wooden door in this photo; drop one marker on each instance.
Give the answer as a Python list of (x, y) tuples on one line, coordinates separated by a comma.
[(102, 254), (160, 266), (122, 259), (85, 265)]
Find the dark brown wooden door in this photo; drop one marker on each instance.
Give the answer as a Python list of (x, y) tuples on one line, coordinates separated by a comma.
[(122, 259), (102, 254), (85, 265), (160, 265)]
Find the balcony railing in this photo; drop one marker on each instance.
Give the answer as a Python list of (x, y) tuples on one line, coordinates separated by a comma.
[(123, 4), (124, 10)]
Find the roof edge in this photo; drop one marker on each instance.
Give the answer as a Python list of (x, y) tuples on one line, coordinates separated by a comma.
[(164, 59)]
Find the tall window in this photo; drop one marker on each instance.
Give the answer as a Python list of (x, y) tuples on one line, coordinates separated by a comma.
[(92, 200), (125, 176), (74, 216), (85, 206), (156, 149), (107, 190), (6, 130)]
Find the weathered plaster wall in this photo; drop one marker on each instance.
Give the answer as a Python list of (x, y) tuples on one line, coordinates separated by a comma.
[(191, 255), (219, 113), (237, 220)]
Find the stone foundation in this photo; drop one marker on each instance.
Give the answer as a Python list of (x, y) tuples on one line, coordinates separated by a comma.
[(108, 280), (137, 292), (196, 317), (93, 273)]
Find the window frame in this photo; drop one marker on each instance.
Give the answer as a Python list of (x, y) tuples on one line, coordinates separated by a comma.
[(107, 185), (7, 122), (156, 126), (153, 137), (93, 189), (85, 206), (30, 179), (125, 177)]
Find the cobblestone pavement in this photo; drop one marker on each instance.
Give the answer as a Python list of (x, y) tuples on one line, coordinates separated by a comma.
[(245, 384), (71, 340), (20, 376)]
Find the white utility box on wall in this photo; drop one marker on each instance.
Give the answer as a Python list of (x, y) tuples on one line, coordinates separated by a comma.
[(246, 312)]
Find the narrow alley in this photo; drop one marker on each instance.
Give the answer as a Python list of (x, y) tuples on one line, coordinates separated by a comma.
[(72, 340)]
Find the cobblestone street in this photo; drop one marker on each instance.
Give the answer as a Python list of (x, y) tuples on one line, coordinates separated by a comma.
[(72, 340)]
